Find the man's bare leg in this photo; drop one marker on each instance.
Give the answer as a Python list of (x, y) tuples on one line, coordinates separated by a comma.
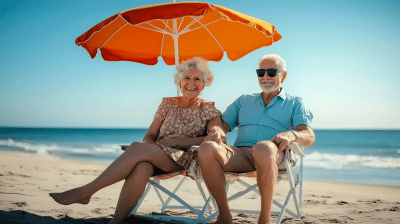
[(212, 160), (132, 191), (119, 170), (266, 157)]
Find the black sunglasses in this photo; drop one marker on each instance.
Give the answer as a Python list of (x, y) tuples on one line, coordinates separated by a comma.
[(270, 72)]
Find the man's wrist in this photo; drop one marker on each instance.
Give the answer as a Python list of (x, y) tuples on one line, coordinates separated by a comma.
[(296, 136)]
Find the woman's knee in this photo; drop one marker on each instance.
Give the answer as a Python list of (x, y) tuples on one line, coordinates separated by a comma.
[(142, 168), (137, 149), (133, 146)]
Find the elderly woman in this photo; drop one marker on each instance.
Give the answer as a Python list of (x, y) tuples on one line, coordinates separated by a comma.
[(179, 123)]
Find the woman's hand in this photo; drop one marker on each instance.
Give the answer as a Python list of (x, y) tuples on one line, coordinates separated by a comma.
[(169, 142)]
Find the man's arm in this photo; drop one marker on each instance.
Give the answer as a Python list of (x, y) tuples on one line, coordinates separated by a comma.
[(306, 137)]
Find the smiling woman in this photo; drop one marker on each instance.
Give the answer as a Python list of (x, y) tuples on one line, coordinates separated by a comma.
[(179, 123), (191, 77)]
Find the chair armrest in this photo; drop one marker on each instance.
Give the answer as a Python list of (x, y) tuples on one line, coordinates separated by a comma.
[(293, 146), (123, 147), (194, 148), (297, 149)]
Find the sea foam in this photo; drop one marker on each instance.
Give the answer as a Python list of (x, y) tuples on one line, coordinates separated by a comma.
[(336, 161), (98, 150)]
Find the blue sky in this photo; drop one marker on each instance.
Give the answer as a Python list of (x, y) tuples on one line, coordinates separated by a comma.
[(343, 58)]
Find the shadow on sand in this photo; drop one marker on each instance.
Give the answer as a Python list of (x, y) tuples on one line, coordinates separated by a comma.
[(22, 217)]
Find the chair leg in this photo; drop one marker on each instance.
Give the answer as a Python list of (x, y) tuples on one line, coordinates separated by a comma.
[(157, 191), (195, 211), (292, 187), (198, 183), (170, 198), (301, 184)]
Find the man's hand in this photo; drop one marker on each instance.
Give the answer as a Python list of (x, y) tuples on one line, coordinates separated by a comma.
[(216, 134), (282, 140)]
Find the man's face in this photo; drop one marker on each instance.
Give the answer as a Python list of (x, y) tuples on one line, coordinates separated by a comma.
[(270, 84)]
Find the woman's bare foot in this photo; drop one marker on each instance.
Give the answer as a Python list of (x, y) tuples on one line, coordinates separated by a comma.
[(75, 195), (223, 220)]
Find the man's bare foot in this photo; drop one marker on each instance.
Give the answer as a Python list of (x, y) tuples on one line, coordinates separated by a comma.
[(264, 221), (70, 197)]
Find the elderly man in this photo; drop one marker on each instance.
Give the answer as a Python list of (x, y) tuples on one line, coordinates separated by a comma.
[(267, 123)]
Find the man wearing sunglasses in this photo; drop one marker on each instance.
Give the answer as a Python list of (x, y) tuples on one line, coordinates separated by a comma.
[(267, 123)]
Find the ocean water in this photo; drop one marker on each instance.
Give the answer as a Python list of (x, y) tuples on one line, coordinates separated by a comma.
[(348, 156)]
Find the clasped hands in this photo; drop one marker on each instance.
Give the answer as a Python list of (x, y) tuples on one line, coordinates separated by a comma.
[(217, 135)]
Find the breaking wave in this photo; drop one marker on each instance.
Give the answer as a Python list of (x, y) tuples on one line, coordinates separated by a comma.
[(336, 161)]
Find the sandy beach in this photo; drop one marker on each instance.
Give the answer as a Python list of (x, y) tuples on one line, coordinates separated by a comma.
[(27, 179)]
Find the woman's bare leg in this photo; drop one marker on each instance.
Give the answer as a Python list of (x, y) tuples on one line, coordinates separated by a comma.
[(132, 191), (119, 170)]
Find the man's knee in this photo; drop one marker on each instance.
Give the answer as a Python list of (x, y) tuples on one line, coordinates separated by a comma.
[(208, 151), (265, 150)]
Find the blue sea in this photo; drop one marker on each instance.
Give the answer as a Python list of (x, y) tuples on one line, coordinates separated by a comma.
[(347, 156)]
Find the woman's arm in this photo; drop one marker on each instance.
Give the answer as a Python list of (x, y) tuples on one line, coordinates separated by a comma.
[(183, 143), (153, 131), (186, 143)]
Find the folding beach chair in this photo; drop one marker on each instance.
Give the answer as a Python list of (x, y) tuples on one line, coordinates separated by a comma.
[(154, 182), (294, 176)]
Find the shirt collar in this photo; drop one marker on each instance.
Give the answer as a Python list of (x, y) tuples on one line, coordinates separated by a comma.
[(282, 94)]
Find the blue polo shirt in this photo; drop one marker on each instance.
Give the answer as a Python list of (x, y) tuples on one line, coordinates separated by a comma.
[(256, 122)]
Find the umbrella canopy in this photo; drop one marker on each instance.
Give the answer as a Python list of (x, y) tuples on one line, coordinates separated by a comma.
[(176, 32)]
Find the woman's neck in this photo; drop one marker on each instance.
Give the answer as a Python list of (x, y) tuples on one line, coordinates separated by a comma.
[(185, 102)]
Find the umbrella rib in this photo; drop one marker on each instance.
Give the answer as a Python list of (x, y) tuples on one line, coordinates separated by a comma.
[(156, 29), (112, 35), (181, 23), (187, 28), (205, 27), (166, 24), (162, 40), (202, 25), (80, 43)]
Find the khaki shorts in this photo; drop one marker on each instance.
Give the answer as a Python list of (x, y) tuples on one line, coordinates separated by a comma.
[(246, 152)]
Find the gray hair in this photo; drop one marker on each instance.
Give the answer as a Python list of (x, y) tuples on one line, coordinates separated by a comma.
[(197, 62), (281, 62)]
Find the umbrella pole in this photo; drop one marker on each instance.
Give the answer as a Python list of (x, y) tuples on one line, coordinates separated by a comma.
[(175, 36)]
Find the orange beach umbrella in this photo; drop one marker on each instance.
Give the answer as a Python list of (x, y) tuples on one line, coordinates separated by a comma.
[(176, 32)]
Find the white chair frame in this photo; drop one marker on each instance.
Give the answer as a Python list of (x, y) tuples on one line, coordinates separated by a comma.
[(295, 181)]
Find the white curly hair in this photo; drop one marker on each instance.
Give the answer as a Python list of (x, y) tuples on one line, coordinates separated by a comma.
[(198, 62), (279, 59)]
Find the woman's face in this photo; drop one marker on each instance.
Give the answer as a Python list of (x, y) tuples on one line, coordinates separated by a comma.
[(192, 83)]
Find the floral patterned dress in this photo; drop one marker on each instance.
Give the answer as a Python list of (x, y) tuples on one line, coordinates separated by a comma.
[(183, 123)]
